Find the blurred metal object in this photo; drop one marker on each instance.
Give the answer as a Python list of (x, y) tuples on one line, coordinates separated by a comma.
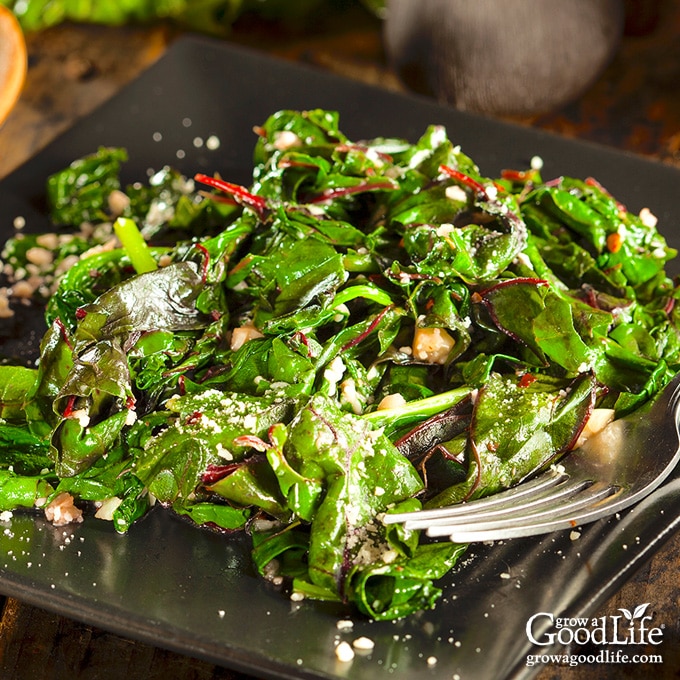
[(13, 61), (517, 57)]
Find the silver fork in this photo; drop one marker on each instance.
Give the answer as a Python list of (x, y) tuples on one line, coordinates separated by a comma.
[(614, 469)]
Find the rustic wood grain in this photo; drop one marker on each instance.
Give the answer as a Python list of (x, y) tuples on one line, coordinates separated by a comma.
[(35, 644), (72, 70), (656, 583)]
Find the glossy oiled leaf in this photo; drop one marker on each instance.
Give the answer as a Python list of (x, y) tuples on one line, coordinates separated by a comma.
[(204, 432), (162, 299), (516, 429), (213, 514), (392, 591), (325, 444), (80, 193), (17, 491), (16, 384), (22, 451)]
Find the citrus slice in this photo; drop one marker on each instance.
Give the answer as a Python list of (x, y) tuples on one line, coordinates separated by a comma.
[(13, 61)]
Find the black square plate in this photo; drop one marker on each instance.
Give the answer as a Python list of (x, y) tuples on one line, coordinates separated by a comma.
[(175, 586)]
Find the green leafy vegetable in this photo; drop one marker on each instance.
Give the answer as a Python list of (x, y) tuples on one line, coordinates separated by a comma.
[(368, 327)]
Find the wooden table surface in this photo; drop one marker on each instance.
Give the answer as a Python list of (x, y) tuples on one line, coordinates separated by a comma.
[(635, 106)]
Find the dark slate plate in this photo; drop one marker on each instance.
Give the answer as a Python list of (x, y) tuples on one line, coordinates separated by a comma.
[(195, 592)]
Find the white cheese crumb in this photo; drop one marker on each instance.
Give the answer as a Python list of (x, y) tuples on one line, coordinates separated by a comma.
[(333, 373), (344, 624), (286, 139), (455, 193), (558, 468), (348, 390), (445, 229), (222, 452), (82, 416), (491, 192), (363, 644), (344, 652), (389, 556), (575, 535), (648, 218), (250, 421)]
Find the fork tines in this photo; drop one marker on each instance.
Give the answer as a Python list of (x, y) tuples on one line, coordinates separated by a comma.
[(549, 498)]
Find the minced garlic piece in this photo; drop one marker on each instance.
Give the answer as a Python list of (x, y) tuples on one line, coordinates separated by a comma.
[(107, 508), (5, 311), (243, 334), (648, 218), (39, 256), (391, 401), (599, 419), (23, 289), (286, 139), (118, 202), (62, 511), (348, 390), (432, 345)]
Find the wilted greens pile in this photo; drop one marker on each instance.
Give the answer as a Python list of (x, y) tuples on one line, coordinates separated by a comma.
[(367, 328)]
